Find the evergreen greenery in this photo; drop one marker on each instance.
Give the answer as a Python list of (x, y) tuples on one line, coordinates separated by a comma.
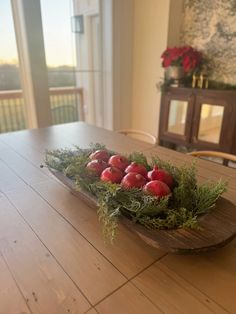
[(164, 84), (180, 210)]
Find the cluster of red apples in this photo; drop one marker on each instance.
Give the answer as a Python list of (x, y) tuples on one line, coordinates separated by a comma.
[(118, 169)]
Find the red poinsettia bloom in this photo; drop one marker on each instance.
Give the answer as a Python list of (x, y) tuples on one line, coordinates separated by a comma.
[(185, 56)]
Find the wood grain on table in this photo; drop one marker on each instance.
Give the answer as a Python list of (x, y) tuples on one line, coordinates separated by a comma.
[(52, 255)]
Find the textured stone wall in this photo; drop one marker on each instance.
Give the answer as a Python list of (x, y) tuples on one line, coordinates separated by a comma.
[(210, 26)]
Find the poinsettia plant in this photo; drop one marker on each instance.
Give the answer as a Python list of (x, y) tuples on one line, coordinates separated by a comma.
[(186, 56)]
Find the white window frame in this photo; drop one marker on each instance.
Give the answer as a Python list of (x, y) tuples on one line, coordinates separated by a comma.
[(28, 27)]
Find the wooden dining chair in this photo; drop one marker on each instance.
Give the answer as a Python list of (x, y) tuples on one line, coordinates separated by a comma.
[(214, 154), (140, 135)]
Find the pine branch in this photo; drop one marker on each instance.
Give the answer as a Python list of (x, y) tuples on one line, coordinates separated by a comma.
[(180, 210), (139, 158), (184, 192), (206, 196)]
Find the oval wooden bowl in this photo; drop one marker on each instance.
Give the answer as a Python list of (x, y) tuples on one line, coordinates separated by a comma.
[(217, 228)]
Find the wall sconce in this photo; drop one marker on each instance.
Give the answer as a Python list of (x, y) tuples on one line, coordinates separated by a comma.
[(77, 24)]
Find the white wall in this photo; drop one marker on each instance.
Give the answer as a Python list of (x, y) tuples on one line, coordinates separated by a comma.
[(135, 33), (123, 32), (157, 25), (116, 18), (150, 39)]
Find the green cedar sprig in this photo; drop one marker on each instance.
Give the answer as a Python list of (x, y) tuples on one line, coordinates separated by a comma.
[(206, 195), (139, 158), (181, 210)]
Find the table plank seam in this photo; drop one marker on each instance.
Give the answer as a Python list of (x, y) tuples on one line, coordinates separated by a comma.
[(125, 283), (32, 163), (15, 281), (192, 286), (148, 266), (128, 279), (38, 151), (64, 218), (86, 240), (38, 168), (208, 297), (32, 188), (29, 153), (56, 260), (92, 308), (5, 194)]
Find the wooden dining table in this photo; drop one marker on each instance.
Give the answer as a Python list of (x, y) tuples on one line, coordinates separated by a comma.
[(53, 258)]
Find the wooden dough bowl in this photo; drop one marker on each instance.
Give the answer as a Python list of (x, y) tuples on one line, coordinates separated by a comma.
[(217, 228)]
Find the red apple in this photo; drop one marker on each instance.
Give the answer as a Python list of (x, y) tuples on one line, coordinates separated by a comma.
[(118, 161), (96, 167), (157, 188), (133, 180), (137, 168), (161, 175), (112, 174), (100, 155)]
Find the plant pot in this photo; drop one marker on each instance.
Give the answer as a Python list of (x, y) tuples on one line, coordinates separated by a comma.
[(175, 74)]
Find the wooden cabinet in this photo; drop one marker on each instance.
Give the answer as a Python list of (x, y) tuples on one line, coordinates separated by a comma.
[(198, 119)]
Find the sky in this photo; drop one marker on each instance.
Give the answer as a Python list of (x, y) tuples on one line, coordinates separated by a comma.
[(58, 38)]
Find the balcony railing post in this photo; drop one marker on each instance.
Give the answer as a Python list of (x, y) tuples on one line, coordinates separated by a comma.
[(80, 101)]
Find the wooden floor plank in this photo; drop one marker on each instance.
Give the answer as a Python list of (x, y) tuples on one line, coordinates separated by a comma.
[(11, 300), (173, 294), (213, 273), (43, 283), (129, 253), (80, 259), (127, 300)]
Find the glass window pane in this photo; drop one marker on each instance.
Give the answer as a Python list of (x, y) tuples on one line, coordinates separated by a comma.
[(73, 47), (12, 107), (177, 116), (210, 123), (89, 74), (65, 98)]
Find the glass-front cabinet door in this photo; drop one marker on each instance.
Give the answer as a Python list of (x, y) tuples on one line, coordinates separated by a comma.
[(211, 120), (198, 119), (176, 117), (211, 123)]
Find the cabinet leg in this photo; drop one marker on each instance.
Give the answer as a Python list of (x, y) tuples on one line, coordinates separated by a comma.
[(225, 162)]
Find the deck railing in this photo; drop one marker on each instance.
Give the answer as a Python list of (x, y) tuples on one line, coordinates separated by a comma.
[(66, 105)]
